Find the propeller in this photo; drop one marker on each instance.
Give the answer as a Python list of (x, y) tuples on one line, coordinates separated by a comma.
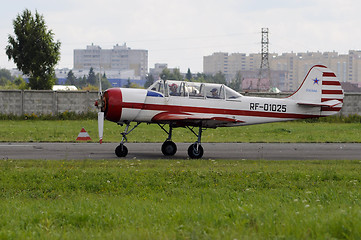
[(100, 126), (100, 105)]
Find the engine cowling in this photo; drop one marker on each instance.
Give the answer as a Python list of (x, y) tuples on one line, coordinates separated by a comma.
[(123, 104), (112, 108)]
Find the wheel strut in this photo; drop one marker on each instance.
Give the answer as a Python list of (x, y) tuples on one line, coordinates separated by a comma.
[(169, 148), (196, 150), (122, 150)]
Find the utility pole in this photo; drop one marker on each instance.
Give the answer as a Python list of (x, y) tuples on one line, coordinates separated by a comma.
[(264, 70)]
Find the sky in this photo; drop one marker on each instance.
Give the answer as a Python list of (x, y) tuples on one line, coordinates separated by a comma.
[(181, 32)]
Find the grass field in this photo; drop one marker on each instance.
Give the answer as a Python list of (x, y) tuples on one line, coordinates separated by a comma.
[(186, 199), (68, 130), (167, 199)]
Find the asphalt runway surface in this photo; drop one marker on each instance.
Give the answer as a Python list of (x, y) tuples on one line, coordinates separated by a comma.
[(267, 151)]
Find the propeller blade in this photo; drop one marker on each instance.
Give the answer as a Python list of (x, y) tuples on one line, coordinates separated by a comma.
[(100, 85), (100, 126)]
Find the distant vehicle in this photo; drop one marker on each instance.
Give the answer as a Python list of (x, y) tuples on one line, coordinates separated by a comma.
[(206, 105), (64, 88)]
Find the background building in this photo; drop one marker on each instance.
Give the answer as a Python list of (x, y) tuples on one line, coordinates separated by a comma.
[(288, 69), (217, 62), (112, 61), (158, 68)]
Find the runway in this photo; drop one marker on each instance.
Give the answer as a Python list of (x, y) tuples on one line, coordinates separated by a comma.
[(267, 151)]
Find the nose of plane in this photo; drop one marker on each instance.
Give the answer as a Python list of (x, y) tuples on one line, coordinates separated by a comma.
[(113, 104)]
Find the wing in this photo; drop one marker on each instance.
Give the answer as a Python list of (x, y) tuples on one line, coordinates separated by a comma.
[(186, 119)]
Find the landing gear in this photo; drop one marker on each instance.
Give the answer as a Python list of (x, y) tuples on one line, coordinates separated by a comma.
[(121, 150), (196, 150), (169, 148)]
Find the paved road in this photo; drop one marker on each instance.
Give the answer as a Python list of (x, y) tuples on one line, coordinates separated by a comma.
[(271, 151)]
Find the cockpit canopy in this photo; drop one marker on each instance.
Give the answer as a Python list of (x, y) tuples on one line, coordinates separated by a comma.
[(194, 90)]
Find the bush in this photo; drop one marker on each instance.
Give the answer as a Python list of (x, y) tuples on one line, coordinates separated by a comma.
[(352, 118), (60, 116)]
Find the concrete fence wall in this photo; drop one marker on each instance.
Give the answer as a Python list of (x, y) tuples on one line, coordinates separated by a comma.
[(19, 102)]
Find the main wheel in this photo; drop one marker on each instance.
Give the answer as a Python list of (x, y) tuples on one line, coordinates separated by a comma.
[(121, 151), (193, 152), (169, 148)]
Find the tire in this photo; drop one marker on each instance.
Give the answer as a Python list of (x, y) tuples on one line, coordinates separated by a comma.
[(169, 148), (121, 151), (193, 153)]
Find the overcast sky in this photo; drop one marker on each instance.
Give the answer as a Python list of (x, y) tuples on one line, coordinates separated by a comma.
[(181, 32)]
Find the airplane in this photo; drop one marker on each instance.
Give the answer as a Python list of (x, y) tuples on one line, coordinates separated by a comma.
[(195, 105)]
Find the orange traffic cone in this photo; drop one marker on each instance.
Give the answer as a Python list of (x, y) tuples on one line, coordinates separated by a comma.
[(83, 136)]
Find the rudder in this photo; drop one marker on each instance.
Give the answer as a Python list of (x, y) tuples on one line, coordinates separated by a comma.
[(320, 88)]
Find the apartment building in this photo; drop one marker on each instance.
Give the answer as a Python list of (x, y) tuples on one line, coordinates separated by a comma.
[(120, 58), (217, 62), (354, 66), (287, 69)]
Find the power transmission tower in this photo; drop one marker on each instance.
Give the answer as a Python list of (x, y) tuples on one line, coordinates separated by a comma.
[(264, 70)]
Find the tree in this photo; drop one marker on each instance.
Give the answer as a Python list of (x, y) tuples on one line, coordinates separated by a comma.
[(34, 50), (5, 77), (189, 75), (105, 82), (92, 79), (150, 81), (70, 79), (236, 83), (128, 84), (5, 74), (82, 81), (176, 75), (20, 83), (165, 74), (219, 78)]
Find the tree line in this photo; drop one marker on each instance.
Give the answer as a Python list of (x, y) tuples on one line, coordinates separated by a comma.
[(7, 81), (88, 82)]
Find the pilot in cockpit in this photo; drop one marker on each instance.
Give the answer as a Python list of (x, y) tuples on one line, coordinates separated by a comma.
[(214, 92), (173, 90)]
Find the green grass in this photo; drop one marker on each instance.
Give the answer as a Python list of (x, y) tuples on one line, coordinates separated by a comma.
[(167, 199), (68, 130)]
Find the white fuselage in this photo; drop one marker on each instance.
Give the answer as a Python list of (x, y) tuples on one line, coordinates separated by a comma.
[(244, 110)]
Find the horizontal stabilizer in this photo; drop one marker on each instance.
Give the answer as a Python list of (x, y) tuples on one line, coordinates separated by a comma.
[(330, 103)]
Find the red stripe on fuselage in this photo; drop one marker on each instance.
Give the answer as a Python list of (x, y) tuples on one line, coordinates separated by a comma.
[(206, 110)]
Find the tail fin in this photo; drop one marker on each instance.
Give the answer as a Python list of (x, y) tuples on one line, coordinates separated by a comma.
[(321, 88)]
